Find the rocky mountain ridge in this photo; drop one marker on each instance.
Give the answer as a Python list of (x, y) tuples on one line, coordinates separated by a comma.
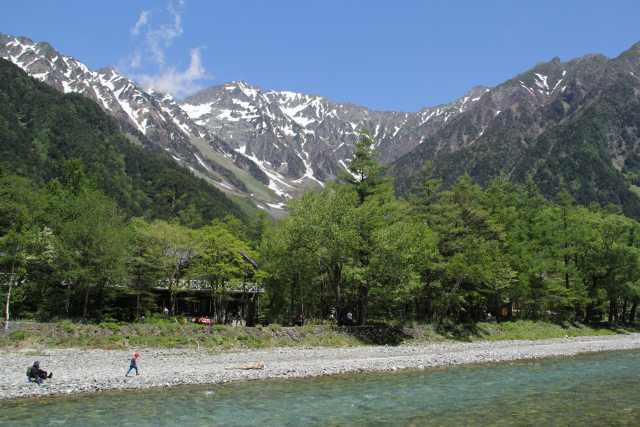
[(302, 137), (271, 145), (152, 120), (566, 125)]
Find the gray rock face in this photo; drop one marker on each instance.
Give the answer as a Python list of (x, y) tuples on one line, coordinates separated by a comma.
[(286, 141), (154, 120), (307, 137), (272, 145)]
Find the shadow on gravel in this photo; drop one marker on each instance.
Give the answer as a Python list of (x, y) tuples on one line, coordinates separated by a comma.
[(379, 334), (462, 332)]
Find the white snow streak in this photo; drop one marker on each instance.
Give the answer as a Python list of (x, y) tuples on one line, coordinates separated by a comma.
[(196, 111), (202, 163), (276, 181)]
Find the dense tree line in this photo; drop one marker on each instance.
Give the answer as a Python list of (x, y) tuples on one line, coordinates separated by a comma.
[(69, 251), (42, 129), (442, 255), (449, 254)]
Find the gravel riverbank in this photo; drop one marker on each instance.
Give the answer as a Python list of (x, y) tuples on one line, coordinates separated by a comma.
[(79, 370)]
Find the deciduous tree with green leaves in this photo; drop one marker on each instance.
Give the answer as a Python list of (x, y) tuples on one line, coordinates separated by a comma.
[(18, 229), (94, 242), (221, 257), (168, 248)]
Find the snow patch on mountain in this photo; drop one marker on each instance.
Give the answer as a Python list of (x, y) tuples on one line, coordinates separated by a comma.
[(276, 182), (154, 115)]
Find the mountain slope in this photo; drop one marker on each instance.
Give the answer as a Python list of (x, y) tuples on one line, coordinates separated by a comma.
[(570, 126), (41, 129), (155, 121), (303, 140), (263, 144)]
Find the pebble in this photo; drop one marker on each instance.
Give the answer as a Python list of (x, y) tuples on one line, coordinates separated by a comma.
[(78, 370)]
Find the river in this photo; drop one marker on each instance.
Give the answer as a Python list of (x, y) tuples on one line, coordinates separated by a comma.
[(592, 389)]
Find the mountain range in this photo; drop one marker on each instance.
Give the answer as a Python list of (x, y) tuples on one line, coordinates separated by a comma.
[(266, 145), (567, 125), (571, 126), (45, 132)]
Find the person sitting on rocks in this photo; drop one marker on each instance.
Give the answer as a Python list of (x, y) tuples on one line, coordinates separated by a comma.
[(37, 375)]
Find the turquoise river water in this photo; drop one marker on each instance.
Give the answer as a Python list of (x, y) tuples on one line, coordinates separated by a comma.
[(593, 389)]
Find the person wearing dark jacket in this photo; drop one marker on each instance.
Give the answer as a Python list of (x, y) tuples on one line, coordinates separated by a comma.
[(38, 375)]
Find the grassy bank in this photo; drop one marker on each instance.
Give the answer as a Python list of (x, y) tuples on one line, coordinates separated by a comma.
[(167, 334)]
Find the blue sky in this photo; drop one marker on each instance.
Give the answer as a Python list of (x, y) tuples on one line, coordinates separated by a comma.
[(386, 55)]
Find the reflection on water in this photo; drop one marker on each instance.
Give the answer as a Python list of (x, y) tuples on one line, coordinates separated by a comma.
[(597, 389)]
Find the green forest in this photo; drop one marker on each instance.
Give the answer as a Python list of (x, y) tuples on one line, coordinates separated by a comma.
[(90, 222), (41, 129), (441, 256), (585, 144)]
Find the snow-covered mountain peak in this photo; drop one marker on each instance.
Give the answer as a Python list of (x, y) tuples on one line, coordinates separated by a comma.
[(305, 138), (286, 140), (152, 119)]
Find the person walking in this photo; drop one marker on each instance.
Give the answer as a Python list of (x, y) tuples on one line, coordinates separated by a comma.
[(133, 365)]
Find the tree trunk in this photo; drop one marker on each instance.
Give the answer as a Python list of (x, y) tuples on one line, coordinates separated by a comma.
[(172, 298), (590, 309), (301, 295), (336, 279), (226, 308), (613, 311), (632, 312), (68, 307), (588, 313), (11, 275), (138, 289), (363, 294), (453, 292), (292, 309), (86, 302)]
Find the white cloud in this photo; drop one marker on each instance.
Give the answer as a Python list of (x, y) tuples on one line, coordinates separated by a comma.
[(142, 21), (177, 83), (154, 40), (136, 60), (158, 39)]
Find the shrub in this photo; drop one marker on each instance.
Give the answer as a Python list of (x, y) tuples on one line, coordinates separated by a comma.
[(17, 335), (111, 325), (180, 341), (66, 326)]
